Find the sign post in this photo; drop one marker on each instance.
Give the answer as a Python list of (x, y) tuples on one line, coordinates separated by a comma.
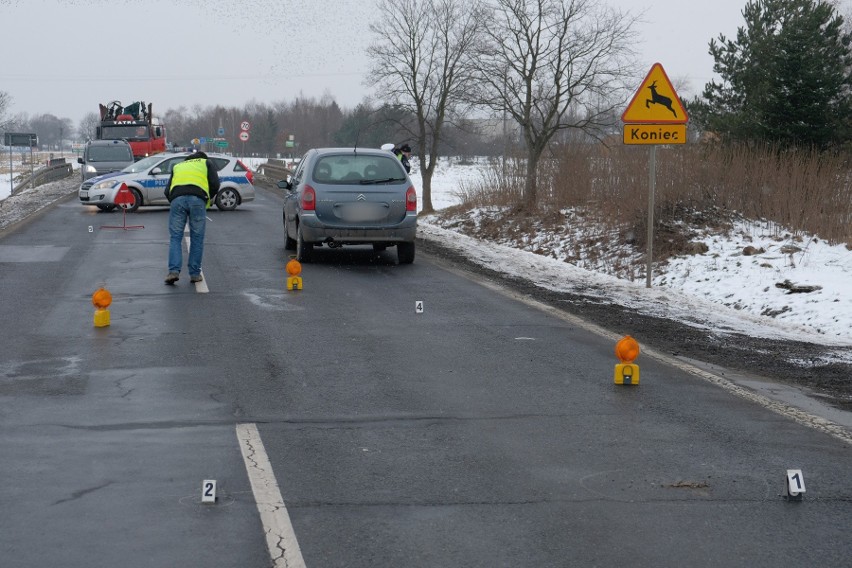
[(27, 140), (654, 116), (245, 126)]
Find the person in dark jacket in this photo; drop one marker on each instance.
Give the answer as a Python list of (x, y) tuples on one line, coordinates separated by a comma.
[(192, 186), (403, 153)]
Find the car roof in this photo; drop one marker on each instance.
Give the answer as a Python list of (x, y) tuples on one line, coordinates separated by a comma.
[(165, 155), (367, 151), (209, 155), (107, 142)]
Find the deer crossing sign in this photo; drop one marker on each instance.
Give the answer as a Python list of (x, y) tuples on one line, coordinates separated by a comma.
[(655, 115), (655, 102)]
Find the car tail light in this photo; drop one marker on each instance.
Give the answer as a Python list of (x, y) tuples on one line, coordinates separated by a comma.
[(411, 199), (309, 199), (249, 173)]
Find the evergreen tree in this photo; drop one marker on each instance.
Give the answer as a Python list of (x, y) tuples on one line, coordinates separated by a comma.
[(785, 79)]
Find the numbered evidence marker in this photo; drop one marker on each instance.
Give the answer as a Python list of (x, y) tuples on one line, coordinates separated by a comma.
[(418, 307), (91, 229), (795, 484), (208, 491)]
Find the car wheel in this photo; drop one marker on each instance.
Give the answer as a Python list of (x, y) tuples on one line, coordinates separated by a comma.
[(227, 199), (303, 249), (137, 201), (106, 208), (289, 244), (405, 253)]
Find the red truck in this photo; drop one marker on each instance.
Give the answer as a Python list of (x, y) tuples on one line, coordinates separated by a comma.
[(134, 123)]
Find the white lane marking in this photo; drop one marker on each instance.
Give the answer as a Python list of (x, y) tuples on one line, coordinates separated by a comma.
[(280, 538), (200, 287), (796, 414)]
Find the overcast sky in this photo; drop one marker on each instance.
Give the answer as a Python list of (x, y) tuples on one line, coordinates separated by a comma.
[(65, 57)]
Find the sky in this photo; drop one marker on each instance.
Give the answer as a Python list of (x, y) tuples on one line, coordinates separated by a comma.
[(721, 290), (67, 56)]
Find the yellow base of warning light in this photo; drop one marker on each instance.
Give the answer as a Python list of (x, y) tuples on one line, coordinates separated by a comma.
[(294, 283), (627, 374), (101, 318)]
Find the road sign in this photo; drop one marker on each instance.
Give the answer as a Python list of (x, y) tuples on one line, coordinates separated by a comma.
[(26, 140), (222, 143), (656, 101), (244, 136), (203, 140), (655, 134), (220, 132), (244, 125)]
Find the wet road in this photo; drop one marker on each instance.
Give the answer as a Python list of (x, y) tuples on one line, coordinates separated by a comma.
[(483, 431)]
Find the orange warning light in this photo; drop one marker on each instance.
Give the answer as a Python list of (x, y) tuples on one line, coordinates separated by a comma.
[(101, 298), (627, 349), (294, 267)]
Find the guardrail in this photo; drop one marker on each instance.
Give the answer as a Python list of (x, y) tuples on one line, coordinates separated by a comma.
[(45, 175), (272, 172)]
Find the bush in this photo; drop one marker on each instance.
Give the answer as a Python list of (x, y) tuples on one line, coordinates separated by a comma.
[(704, 185)]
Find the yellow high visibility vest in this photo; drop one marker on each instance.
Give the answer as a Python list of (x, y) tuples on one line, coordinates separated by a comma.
[(191, 172)]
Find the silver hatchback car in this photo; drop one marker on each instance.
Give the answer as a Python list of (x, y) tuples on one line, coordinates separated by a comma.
[(348, 196)]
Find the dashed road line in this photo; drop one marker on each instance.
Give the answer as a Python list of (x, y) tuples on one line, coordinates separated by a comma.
[(280, 538), (200, 287)]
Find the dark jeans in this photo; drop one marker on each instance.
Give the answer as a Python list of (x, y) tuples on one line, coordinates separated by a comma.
[(193, 209)]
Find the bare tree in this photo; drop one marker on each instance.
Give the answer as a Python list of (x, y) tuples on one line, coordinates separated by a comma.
[(87, 126), (5, 103), (553, 65), (421, 63)]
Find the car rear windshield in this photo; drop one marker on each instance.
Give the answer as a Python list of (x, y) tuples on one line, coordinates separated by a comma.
[(358, 169), (112, 153)]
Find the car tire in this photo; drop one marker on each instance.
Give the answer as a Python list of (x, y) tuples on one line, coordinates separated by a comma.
[(227, 199), (304, 250), (106, 208), (289, 244), (405, 253), (137, 201)]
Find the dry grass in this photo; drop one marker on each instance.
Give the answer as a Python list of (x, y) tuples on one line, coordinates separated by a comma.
[(697, 187)]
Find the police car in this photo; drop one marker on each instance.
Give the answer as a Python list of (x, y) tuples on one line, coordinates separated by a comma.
[(147, 179)]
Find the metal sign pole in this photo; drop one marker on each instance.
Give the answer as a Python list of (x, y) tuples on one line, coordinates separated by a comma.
[(652, 181), (32, 170), (11, 173)]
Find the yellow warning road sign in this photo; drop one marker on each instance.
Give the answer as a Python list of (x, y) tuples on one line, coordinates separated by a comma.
[(656, 101)]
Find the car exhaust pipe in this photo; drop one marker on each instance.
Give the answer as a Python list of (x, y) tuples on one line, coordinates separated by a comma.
[(331, 243)]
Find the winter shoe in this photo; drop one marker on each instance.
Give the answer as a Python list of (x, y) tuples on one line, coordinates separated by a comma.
[(196, 278), (172, 277)]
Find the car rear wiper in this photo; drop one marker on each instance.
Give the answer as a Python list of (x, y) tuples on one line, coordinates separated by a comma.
[(383, 180)]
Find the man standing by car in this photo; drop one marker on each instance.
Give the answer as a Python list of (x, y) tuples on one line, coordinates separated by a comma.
[(192, 186), (403, 153)]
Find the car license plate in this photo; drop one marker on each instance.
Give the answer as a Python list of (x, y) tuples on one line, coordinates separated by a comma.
[(84, 194), (362, 212)]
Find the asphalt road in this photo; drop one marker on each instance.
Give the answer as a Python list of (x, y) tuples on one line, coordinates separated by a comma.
[(484, 431)]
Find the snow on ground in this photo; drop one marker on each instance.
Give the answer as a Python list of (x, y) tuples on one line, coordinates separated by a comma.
[(722, 290)]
